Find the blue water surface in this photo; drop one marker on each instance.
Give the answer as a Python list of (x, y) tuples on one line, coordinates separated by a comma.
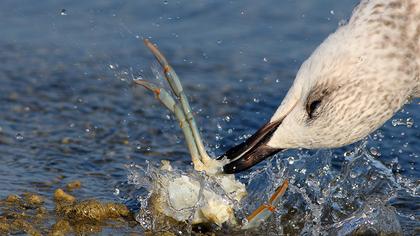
[(68, 108)]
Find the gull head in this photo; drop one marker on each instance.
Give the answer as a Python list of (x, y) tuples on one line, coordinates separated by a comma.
[(344, 91)]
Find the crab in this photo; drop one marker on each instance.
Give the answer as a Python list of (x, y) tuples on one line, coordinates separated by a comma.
[(183, 196)]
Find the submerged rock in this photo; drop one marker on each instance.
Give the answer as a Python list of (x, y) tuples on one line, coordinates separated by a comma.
[(92, 210), (34, 199), (60, 195), (26, 214), (73, 185)]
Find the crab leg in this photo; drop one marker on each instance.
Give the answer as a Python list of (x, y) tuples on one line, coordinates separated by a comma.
[(169, 102), (177, 89), (262, 213)]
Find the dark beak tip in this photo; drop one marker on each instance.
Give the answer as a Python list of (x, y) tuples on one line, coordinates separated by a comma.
[(233, 167), (249, 160), (252, 151), (229, 169), (226, 170)]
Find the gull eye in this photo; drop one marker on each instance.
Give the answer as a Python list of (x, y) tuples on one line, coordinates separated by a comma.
[(312, 106)]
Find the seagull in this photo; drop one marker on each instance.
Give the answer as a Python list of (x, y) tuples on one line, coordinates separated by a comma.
[(350, 86)]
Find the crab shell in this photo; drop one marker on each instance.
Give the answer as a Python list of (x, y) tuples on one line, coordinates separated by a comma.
[(183, 197)]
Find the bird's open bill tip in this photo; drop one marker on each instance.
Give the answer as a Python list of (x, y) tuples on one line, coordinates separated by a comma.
[(252, 151)]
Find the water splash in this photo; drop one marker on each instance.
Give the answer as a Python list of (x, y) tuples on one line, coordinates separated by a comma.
[(353, 197), (19, 136), (409, 122), (63, 12), (147, 181)]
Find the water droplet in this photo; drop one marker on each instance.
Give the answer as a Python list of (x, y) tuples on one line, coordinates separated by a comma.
[(265, 59), (375, 152), (63, 12), (116, 191), (225, 101), (19, 136), (227, 119), (87, 130), (395, 122), (348, 153), (256, 100), (409, 122), (165, 2), (332, 12), (219, 42), (342, 22), (291, 160), (230, 131), (111, 66), (219, 126)]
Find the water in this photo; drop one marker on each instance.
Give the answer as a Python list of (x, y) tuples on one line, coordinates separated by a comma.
[(68, 109)]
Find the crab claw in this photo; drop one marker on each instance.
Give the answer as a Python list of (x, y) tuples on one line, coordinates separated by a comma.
[(262, 213)]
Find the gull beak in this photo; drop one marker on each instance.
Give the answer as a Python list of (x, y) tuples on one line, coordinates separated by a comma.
[(252, 151)]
